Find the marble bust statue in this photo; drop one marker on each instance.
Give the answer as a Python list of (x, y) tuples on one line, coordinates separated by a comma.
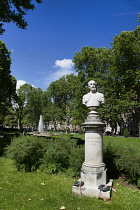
[(93, 98)]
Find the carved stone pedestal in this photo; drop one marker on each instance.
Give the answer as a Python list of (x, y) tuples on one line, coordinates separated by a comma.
[(93, 171)]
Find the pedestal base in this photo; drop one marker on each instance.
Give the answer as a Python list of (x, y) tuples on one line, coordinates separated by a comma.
[(92, 191), (93, 176)]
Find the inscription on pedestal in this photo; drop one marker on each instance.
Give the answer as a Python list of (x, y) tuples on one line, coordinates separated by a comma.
[(93, 148)]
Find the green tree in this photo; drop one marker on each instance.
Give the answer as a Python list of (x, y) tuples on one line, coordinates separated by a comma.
[(58, 97), (14, 11), (117, 72), (76, 111), (10, 118), (19, 108), (125, 70), (66, 96), (7, 82), (29, 105), (46, 104), (91, 62)]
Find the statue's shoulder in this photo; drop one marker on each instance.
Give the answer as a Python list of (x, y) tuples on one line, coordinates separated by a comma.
[(86, 95), (100, 94)]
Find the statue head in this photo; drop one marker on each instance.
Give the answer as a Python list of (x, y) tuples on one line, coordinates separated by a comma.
[(92, 85)]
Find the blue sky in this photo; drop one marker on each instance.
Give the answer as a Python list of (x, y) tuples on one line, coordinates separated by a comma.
[(57, 29)]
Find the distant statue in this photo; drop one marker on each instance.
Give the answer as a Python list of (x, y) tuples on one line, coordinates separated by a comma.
[(93, 98)]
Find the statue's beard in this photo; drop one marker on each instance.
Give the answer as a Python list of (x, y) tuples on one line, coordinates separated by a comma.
[(93, 90)]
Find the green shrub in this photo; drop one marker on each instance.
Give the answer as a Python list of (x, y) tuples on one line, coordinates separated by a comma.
[(76, 160), (63, 154), (126, 133), (4, 141), (109, 153), (120, 160), (128, 163), (51, 156), (27, 152), (56, 157)]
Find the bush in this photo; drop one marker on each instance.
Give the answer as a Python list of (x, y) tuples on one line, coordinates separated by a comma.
[(27, 152), (120, 160), (63, 154), (109, 153), (76, 160), (5, 139), (56, 157), (50, 156), (128, 163), (126, 133)]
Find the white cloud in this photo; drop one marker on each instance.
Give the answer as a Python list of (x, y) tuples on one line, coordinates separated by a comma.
[(20, 83), (64, 64), (58, 74), (64, 67)]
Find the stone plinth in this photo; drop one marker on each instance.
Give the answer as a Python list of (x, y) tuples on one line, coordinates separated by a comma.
[(93, 171)]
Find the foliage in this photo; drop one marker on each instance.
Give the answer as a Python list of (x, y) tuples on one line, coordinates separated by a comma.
[(126, 133), (6, 135), (76, 160), (65, 97), (14, 11), (51, 156), (4, 141), (91, 62), (57, 155), (53, 114), (125, 71), (29, 105), (62, 154), (81, 131), (116, 70), (27, 152), (7, 82), (122, 160)]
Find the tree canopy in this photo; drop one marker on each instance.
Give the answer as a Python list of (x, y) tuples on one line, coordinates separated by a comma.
[(29, 105), (14, 11), (7, 81), (117, 72)]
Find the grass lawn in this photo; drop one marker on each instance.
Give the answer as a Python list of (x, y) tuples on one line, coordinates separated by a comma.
[(125, 142), (39, 191)]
